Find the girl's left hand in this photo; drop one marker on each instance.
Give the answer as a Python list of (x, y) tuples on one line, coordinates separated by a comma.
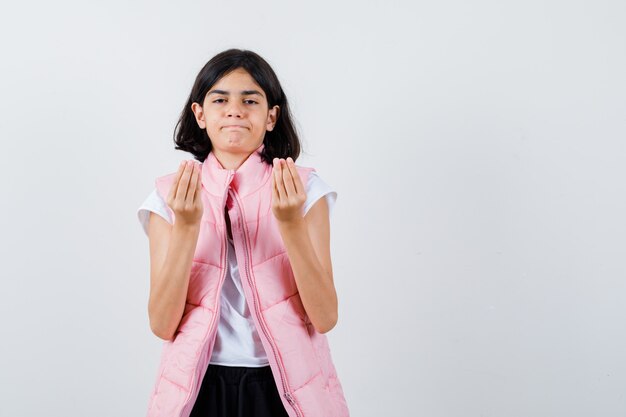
[(288, 194)]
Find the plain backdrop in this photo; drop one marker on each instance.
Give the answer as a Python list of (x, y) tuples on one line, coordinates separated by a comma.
[(478, 150)]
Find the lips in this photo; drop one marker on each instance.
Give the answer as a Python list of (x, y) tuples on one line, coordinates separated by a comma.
[(234, 127)]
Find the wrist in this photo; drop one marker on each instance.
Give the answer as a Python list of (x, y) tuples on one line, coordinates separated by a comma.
[(295, 223), (186, 227)]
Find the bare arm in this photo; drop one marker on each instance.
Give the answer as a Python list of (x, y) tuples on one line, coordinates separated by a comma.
[(308, 246), (171, 253), (307, 240)]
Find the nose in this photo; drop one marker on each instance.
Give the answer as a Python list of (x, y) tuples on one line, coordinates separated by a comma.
[(234, 109)]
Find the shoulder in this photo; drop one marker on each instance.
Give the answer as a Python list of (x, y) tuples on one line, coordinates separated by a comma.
[(315, 183), (170, 176), (153, 203), (304, 171), (164, 182), (316, 188)]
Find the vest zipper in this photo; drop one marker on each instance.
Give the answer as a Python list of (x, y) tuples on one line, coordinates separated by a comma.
[(287, 394), (187, 408)]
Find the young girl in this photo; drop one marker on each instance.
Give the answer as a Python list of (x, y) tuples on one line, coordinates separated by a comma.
[(241, 283)]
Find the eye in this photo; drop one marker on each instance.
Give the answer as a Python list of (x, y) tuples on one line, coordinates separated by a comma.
[(252, 101), (215, 101)]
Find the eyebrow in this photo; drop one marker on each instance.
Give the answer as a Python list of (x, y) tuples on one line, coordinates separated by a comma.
[(243, 93)]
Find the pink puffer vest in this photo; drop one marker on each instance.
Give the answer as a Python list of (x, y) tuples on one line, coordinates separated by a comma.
[(299, 356)]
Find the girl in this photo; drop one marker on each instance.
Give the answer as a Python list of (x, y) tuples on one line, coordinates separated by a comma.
[(241, 283)]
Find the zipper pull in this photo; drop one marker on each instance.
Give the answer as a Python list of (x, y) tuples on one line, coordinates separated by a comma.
[(289, 398)]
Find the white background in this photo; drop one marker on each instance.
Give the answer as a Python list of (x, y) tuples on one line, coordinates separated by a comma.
[(477, 149)]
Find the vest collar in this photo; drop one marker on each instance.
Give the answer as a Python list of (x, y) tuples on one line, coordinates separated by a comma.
[(251, 175)]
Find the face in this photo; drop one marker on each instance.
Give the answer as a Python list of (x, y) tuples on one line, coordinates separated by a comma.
[(235, 113)]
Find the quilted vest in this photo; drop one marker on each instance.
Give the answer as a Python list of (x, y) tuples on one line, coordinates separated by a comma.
[(299, 356)]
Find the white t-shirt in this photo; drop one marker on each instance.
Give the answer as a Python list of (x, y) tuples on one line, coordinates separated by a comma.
[(237, 342)]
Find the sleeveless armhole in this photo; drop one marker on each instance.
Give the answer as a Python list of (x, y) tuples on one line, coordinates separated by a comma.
[(316, 189), (154, 203)]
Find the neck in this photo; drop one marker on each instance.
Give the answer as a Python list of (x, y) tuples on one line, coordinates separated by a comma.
[(231, 160)]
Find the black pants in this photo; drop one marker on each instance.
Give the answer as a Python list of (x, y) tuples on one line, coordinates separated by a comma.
[(237, 391)]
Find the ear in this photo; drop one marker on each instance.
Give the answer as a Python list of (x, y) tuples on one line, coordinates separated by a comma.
[(199, 113), (272, 117)]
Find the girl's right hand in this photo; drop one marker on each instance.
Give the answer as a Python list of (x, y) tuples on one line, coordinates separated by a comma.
[(184, 196)]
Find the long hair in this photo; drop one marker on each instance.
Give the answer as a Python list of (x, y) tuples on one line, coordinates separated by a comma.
[(280, 142)]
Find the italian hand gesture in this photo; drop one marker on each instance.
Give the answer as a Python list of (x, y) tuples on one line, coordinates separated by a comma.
[(288, 194), (184, 196)]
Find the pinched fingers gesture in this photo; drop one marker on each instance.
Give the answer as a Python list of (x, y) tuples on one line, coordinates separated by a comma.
[(288, 196), (184, 196)]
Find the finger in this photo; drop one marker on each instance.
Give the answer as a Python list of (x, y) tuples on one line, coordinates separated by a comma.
[(193, 184), (297, 180), (199, 182), (179, 173), (278, 177), (290, 185), (181, 191), (275, 195)]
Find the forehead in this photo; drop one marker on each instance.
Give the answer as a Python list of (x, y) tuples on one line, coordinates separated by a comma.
[(236, 79)]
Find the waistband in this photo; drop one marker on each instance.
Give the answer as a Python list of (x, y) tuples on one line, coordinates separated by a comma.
[(235, 374)]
